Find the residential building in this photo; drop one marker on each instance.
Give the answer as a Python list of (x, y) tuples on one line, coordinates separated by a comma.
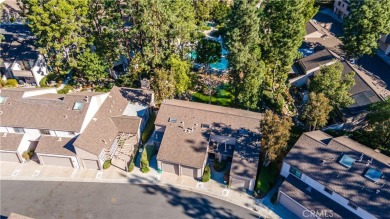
[(189, 134), (20, 58), (313, 30), (341, 8), (52, 124), (384, 44), (335, 177)]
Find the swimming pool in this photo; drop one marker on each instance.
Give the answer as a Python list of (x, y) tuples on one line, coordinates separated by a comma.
[(218, 66)]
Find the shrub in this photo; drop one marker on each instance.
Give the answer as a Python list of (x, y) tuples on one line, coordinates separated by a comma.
[(107, 164), (145, 169), (65, 90), (26, 155), (43, 82), (131, 166), (206, 174), (219, 166), (11, 83), (149, 128)]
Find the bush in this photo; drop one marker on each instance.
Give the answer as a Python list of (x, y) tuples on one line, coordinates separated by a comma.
[(43, 82), (26, 155), (149, 128), (131, 166), (65, 90), (107, 164), (11, 83), (219, 166), (145, 169), (206, 174)]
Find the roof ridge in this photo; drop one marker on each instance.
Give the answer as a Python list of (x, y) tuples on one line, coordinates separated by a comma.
[(217, 111), (306, 134)]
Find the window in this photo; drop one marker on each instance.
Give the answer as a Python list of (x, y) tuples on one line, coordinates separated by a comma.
[(352, 205), (78, 106), (373, 174), (172, 120), (44, 131), (295, 172), (19, 130), (2, 99), (328, 190), (347, 161)]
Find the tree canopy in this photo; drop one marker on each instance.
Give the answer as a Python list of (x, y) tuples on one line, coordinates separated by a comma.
[(334, 85), (316, 112), (379, 123), (208, 51), (364, 25)]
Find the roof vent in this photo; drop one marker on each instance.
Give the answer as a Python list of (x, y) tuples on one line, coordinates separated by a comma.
[(4, 135), (1, 112), (59, 139), (86, 99), (104, 141), (66, 116)]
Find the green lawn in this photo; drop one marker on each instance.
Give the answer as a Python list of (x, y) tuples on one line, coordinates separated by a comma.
[(267, 178), (222, 97)]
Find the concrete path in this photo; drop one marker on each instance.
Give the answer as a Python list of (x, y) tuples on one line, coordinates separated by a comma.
[(32, 171)]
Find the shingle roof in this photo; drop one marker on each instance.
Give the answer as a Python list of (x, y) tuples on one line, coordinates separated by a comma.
[(46, 111), (10, 141), (19, 43), (319, 159), (312, 199), (55, 145), (316, 60), (105, 126), (310, 28), (193, 145)]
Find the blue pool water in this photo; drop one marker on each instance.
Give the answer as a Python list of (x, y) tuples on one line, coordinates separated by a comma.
[(306, 51), (219, 66)]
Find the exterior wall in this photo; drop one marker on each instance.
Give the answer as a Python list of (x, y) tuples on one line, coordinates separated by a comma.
[(3, 129), (82, 154), (341, 10), (94, 105), (23, 146), (311, 71), (37, 76), (64, 134), (159, 128), (320, 188), (33, 134), (301, 80), (384, 47), (36, 92)]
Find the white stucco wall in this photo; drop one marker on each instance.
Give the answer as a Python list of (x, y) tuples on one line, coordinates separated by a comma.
[(3, 129), (33, 134), (64, 134), (24, 145), (75, 162), (36, 92)]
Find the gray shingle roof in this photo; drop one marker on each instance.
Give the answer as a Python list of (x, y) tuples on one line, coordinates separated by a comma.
[(192, 147), (315, 60), (10, 141), (55, 145), (318, 157), (310, 28)]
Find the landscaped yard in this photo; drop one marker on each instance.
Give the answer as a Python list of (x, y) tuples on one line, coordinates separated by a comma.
[(147, 155), (222, 97), (267, 178)]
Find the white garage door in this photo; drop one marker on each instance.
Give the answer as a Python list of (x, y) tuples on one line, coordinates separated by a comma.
[(238, 183), (188, 171), (292, 206), (9, 157), (170, 168), (56, 161), (91, 164)]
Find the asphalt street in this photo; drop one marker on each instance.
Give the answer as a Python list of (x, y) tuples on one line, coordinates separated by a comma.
[(103, 200)]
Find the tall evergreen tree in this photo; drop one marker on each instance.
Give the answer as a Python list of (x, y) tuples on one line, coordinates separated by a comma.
[(364, 25), (244, 54), (316, 112), (379, 123), (334, 85), (60, 27)]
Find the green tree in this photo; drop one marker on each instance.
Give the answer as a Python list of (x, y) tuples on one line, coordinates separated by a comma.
[(316, 112), (379, 123), (244, 53), (163, 84), (275, 131), (334, 85), (203, 9), (181, 70), (208, 51), (221, 11), (91, 67), (59, 26), (282, 29), (362, 28)]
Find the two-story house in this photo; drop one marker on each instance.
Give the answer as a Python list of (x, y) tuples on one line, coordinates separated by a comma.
[(20, 58), (328, 177), (341, 8)]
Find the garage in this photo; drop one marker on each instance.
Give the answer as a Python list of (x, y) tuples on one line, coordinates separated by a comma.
[(188, 171), (290, 204), (91, 164), (56, 161), (237, 183), (170, 168), (9, 157)]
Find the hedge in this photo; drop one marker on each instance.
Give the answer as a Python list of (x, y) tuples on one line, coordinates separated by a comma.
[(206, 174)]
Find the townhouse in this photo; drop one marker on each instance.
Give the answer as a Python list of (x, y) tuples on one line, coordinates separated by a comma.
[(190, 134), (50, 124), (334, 177), (341, 8)]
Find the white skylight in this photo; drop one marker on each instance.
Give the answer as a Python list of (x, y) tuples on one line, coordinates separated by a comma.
[(347, 161), (78, 106), (2, 99), (373, 174)]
